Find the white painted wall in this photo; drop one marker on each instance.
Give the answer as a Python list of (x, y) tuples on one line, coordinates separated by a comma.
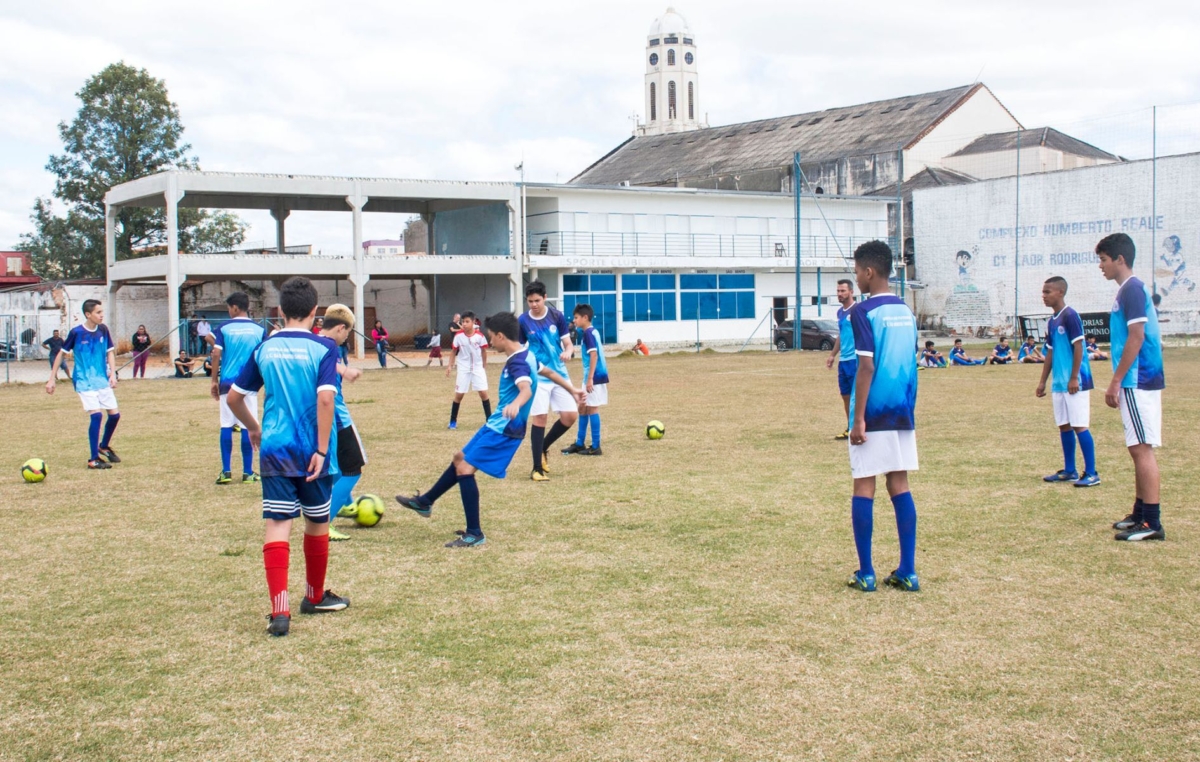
[(980, 115)]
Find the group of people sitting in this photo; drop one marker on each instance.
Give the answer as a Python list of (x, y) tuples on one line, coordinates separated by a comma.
[(1002, 354)]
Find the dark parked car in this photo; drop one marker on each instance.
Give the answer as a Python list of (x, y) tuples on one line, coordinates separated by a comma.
[(814, 334)]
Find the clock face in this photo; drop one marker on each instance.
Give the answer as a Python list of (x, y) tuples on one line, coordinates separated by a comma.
[(689, 58), (654, 59)]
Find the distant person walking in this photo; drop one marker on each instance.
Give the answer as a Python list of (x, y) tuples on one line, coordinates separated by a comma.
[(379, 335), (141, 350)]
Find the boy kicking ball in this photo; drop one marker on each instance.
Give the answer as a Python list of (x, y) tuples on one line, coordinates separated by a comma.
[(883, 437), (94, 377), (492, 448)]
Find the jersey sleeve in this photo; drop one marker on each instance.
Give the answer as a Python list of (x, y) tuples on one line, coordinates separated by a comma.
[(518, 370), (524, 335), (69, 343), (460, 343), (327, 375), (564, 328), (250, 380), (109, 344), (589, 340), (864, 337), (1133, 304), (1073, 325), (218, 339)]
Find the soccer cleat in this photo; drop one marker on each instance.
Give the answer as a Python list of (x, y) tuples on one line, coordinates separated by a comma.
[(453, 425), (844, 435), (225, 478), (329, 602), (98, 465), (1129, 522), (1140, 532), (1062, 476), (545, 462), (907, 583), (538, 476), (467, 541), (336, 536), (236, 428), (592, 451), (862, 582), (251, 478), (574, 448), (1088, 480), (348, 511), (279, 625), (109, 454), (414, 503)]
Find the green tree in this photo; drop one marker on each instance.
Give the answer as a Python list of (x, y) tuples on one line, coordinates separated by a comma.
[(126, 128)]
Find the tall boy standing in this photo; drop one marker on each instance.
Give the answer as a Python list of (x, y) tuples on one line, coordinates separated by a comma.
[(1137, 383), (883, 437), (843, 349), (297, 448), (1071, 386), (468, 352), (544, 329), (233, 343), (351, 457), (595, 382), (94, 376)]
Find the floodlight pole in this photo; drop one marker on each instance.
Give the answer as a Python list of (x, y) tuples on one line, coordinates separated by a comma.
[(796, 194), (1154, 197), (1017, 243)]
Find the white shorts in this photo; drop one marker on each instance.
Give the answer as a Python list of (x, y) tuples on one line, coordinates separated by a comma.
[(470, 379), (1141, 412), (101, 399), (551, 395), (598, 395), (1073, 410), (883, 453), (227, 418)]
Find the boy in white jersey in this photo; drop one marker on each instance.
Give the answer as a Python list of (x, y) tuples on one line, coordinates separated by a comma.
[(94, 377), (468, 352), (233, 343), (545, 331)]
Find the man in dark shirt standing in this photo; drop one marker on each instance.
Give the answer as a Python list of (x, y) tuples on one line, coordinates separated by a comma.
[(54, 344)]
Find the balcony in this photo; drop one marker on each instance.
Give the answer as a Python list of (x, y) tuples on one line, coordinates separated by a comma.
[(684, 246)]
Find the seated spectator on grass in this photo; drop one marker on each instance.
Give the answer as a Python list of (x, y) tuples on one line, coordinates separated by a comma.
[(208, 366), (639, 346), (958, 355), (1030, 353), (183, 365), (1002, 354), (1093, 349), (931, 358)]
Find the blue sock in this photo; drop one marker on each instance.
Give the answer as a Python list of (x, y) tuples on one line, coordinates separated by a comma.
[(1068, 445), (906, 527), (595, 429), (581, 437), (341, 494), (109, 427), (247, 453), (1088, 445), (1151, 514), (469, 491), (94, 434), (226, 447), (862, 518), (447, 480)]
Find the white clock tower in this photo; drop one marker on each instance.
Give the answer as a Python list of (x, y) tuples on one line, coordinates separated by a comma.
[(672, 102)]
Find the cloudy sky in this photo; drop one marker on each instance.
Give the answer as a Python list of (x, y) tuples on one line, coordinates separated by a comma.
[(465, 90)]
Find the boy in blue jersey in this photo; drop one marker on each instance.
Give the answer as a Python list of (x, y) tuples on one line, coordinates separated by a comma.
[(546, 332), (959, 356), (843, 350), (1001, 354), (337, 326), (233, 343), (297, 447), (1071, 385), (1029, 352), (94, 377), (595, 381), (493, 446), (1137, 383), (883, 437), (931, 358)]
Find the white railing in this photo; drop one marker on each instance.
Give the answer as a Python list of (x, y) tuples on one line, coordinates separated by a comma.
[(583, 244)]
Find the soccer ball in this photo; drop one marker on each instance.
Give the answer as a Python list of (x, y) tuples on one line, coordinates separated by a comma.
[(368, 510), (655, 430), (34, 470)]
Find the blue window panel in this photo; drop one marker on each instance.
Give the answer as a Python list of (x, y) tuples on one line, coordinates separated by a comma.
[(669, 305), (662, 282), (708, 305), (745, 304), (610, 304), (628, 308), (609, 282), (575, 283), (633, 282), (655, 308), (689, 305), (728, 301), (697, 282), (608, 327), (737, 281), (569, 302), (643, 305)]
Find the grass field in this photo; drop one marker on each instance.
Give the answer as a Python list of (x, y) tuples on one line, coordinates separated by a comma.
[(673, 600)]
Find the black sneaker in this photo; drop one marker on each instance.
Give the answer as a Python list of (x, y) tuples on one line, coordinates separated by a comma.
[(575, 448), (98, 465), (1141, 532), (109, 454), (1129, 522), (330, 602), (593, 451), (279, 625), (467, 541), (415, 503)]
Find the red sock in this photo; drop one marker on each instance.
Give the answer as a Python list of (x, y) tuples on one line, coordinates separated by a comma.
[(275, 560), (316, 561)]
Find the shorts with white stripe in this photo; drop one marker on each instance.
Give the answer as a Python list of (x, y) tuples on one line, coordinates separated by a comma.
[(1141, 412), (290, 497)]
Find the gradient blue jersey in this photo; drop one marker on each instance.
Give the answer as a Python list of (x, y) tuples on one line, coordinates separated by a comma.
[(90, 350), (544, 338), (237, 340), (292, 365), (341, 413), (1065, 330), (591, 341), (845, 336), (1133, 305), (886, 330), (520, 365)]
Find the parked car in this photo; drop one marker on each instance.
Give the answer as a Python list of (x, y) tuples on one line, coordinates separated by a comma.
[(814, 334)]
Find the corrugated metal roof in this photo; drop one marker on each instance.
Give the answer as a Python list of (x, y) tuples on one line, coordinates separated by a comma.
[(929, 177), (863, 129), (1047, 137)]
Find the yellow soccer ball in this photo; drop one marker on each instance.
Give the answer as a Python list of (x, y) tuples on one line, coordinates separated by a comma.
[(34, 470), (369, 510), (655, 430)]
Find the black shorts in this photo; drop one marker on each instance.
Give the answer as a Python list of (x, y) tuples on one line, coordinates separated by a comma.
[(350, 454)]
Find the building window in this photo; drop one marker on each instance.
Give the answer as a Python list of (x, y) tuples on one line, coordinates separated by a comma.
[(691, 100), (654, 42), (654, 59), (671, 57), (706, 296), (598, 290), (688, 58), (653, 102), (671, 100), (647, 298), (671, 39), (687, 40)]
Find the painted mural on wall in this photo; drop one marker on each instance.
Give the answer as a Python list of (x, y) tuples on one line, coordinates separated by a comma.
[(980, 268)]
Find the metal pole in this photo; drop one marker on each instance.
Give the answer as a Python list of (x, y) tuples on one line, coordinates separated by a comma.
[(796, 193), (1017, 241), (1154, 199), (900, 219), (819, 300)]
